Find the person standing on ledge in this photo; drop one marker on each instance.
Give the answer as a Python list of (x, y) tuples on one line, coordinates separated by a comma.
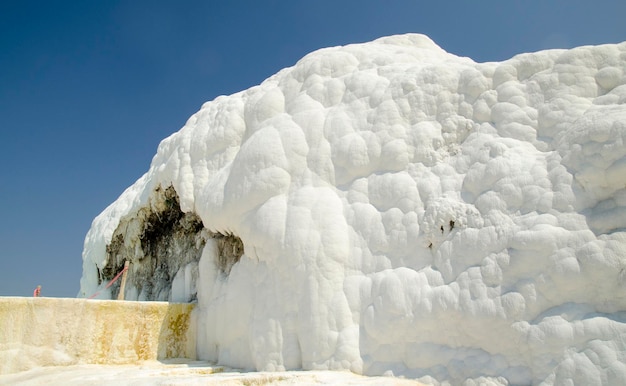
[(37, 291)]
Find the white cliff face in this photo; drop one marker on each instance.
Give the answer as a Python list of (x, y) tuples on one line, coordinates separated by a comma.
[(400, 209)]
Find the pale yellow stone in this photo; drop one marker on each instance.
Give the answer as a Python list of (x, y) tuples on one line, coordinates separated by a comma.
[(59, 332)]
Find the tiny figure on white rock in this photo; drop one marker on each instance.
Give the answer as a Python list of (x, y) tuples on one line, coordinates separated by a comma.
[(37, 292)]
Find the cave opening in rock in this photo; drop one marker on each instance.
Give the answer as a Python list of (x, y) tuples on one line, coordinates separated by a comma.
[(160, 240)]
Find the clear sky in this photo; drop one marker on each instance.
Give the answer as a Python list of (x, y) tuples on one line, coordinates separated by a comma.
[(88, 89)]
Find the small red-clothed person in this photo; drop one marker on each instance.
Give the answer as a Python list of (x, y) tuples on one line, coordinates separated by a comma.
[(37, 291)]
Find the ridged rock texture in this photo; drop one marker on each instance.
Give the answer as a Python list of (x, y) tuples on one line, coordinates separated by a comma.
[(390, 207)]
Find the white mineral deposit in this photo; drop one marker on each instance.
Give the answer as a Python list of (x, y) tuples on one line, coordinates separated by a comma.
[(389, 208)]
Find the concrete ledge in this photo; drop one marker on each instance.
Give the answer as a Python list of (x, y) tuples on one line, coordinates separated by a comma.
[(61, 331)]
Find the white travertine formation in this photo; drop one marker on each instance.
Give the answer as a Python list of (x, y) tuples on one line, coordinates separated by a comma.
[(406, 210)]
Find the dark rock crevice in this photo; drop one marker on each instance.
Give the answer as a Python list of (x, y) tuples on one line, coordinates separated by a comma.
[(230, 249), (159, 240)]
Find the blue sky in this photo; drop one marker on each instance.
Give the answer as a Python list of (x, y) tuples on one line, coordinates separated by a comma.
[(88, 89)]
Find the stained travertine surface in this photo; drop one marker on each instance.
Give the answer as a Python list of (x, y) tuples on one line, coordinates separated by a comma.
[(163, 246), (59, 332)]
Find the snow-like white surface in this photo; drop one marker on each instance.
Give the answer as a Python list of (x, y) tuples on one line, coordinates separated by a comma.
[(154, 373), (406, 210)]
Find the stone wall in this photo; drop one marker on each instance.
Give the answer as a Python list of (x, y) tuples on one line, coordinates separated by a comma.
[(59, 332)]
